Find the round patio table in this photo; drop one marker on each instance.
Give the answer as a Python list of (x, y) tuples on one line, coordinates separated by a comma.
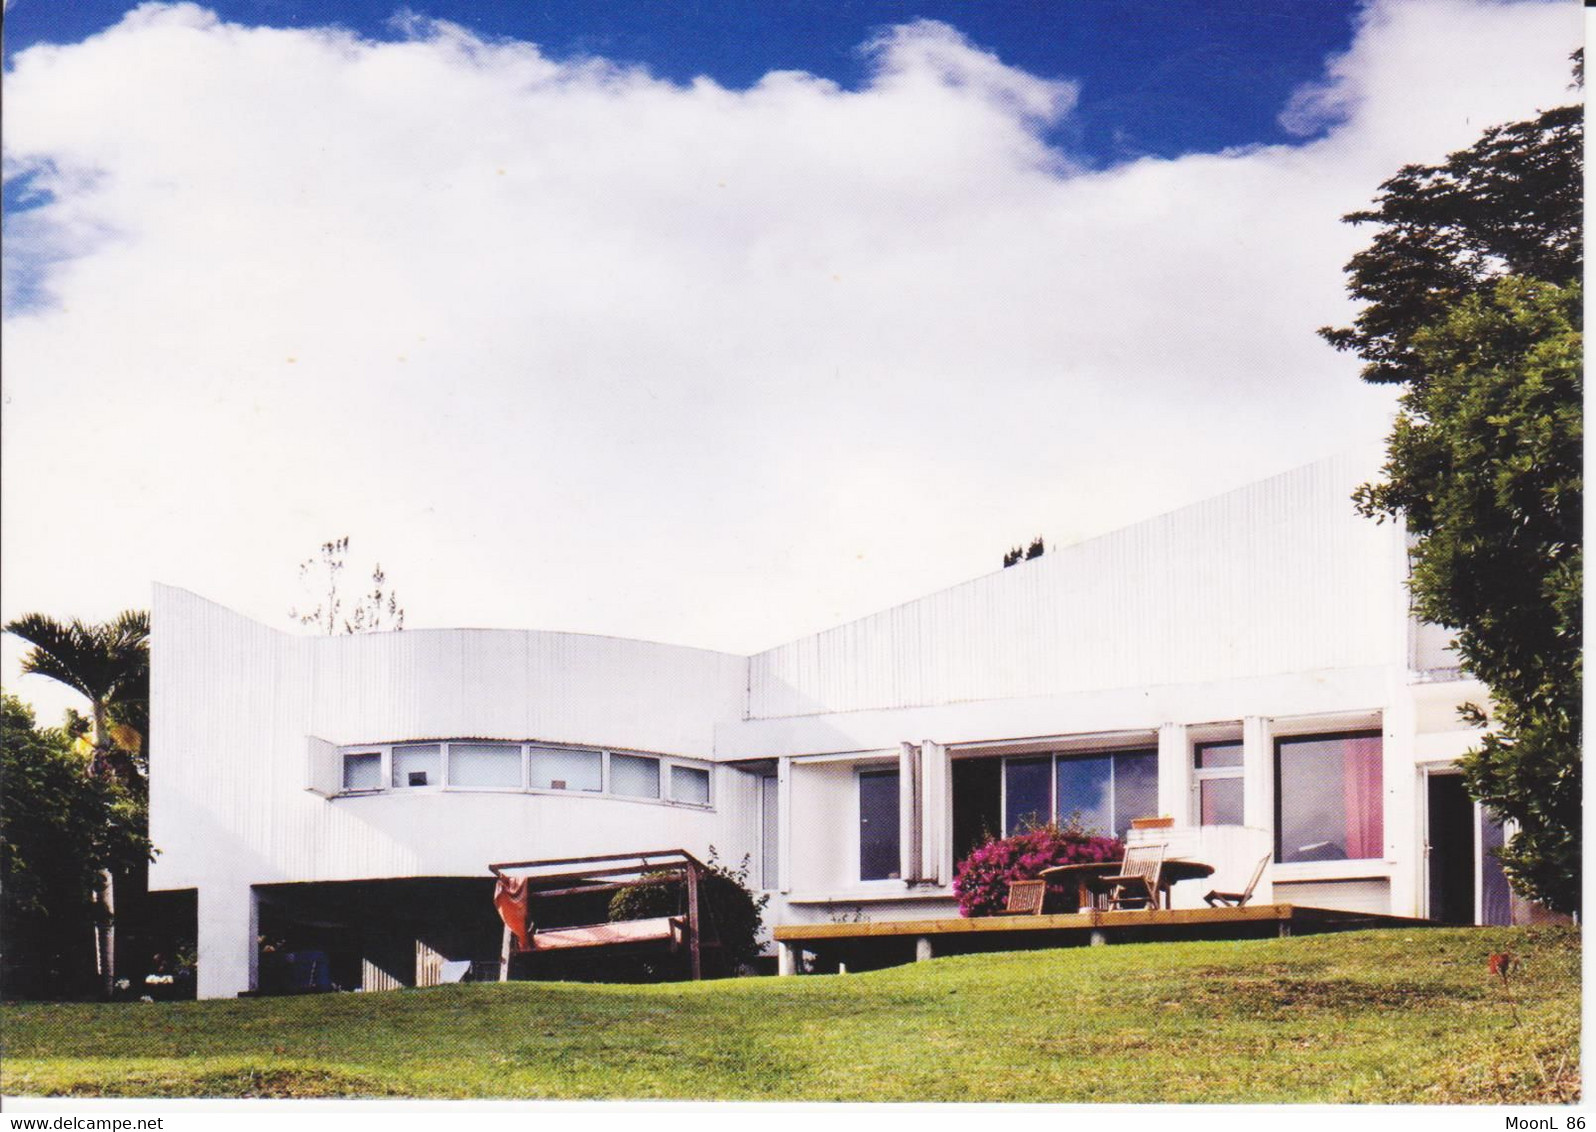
[(1088, 877)]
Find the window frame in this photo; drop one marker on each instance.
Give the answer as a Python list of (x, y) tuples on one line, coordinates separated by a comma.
[(443, 768), (345, 754), (1199, 775), (448, 766), (668, 768), (1054, 758), (860, 773), (524, 749), (1280, 740), (529, 749)]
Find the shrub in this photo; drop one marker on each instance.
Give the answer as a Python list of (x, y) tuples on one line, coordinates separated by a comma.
[(981, 882), (729, 907)]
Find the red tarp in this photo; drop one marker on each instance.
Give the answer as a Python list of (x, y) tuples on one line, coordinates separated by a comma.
[(513, 902)]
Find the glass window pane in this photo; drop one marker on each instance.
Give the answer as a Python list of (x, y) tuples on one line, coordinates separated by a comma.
[(1329, 798), (1086, 793), (419, 764), (1028, 794), (1496, 898), (634, 776), (878, 825), (769, 831), (565, 770), (1135, 788), (1210, 755), (363, 771), (690, 784), (484, 764), (1219, 801)]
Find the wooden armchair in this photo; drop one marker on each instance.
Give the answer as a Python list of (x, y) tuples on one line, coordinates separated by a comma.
[(1136, 884), (1239, 899), (1026, 897)]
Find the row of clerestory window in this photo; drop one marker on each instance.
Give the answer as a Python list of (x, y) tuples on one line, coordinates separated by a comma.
[(477, 765)]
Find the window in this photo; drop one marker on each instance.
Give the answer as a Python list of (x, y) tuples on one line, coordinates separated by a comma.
[(1105, 791), (419, 764), (634, 776), (878, 825), (471, 764), (494, 766), (770, 816), (1327, 800), (565, 770), (1027, 794), (363, 770), (1217, 773), (690, 784)]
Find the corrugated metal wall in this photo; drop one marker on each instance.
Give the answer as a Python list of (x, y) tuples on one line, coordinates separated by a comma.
[(1281, 576), (234, 703)]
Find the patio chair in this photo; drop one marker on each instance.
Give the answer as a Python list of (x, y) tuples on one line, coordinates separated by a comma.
[(1239, 899), (1136, 883), (1026, 897)]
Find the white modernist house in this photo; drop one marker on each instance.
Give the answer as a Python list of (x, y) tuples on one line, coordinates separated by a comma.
[(1246, 665)]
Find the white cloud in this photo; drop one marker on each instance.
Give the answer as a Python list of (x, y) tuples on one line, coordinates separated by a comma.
[(567, 345)]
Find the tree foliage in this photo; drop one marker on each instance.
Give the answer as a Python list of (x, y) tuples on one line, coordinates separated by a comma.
[(1511, 204), (61, 829), (109, 665), (1472, 293), (373, 611), (730, 907)]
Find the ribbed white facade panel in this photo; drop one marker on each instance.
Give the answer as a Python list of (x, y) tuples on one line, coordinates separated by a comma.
[(500, 684), (235, 705), (1282, 576)]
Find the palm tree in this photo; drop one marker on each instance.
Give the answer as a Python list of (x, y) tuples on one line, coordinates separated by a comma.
[(109, 665)]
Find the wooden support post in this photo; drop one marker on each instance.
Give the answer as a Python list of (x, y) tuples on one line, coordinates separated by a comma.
[(693, 948), (504, 957)]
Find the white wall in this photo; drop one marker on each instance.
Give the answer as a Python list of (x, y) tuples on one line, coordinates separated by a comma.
[(233, 704), (1273, 602), (1282, 576)]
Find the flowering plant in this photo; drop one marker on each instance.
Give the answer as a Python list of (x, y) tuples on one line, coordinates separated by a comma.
[(981, 882)]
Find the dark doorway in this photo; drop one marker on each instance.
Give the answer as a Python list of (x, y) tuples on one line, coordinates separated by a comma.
[(977, 803), (1451, 850)]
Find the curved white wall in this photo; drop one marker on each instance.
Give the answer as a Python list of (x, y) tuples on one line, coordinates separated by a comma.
[(234, 704)]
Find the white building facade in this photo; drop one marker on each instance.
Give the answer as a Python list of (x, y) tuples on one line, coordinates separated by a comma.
[(1246, 666)]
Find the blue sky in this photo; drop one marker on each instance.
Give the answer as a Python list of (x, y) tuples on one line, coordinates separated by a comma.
[(566, 339)]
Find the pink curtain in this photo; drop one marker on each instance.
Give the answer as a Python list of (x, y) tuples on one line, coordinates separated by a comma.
[(1360, 776)]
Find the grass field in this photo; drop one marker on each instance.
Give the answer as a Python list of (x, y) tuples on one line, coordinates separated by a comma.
[(1391, 1016)]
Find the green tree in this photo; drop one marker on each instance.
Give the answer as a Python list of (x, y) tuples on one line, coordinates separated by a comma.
[(1472, 303), (60, 830), (1511, 204), (109, 665)]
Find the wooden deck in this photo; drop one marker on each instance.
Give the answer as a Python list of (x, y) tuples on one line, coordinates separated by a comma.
[(880, 943)]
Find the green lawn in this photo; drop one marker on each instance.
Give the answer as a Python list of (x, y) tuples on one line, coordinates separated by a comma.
[(1389, 1016)]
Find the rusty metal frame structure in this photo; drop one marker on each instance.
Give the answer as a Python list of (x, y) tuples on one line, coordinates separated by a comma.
[(607, 875)]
